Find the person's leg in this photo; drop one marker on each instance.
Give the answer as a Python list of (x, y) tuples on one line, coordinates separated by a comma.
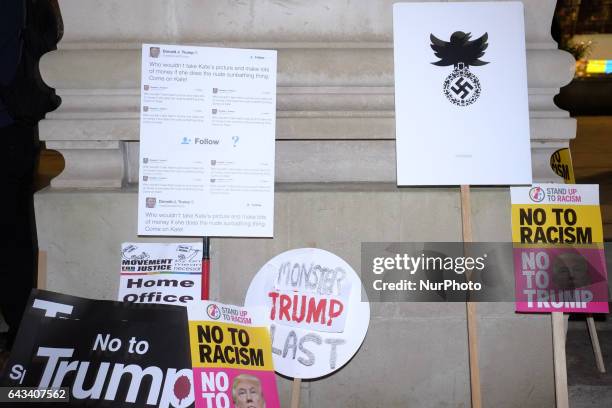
[(18, 250)]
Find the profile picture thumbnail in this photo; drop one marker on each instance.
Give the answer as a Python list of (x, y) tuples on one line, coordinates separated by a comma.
[(151, 202), (154, 52)]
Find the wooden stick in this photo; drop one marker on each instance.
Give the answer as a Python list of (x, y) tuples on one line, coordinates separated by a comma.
[(472, 323), (295, 393), (595, 342), (558, 333), (466, 214), (473, 349), (41, 279)]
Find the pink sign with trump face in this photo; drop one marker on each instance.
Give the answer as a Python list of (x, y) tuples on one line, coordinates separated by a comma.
[(561, 280), (231, 356)]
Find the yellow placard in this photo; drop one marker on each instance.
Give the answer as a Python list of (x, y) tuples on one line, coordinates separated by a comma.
[(556, 224), (561, 164), (222, 345)]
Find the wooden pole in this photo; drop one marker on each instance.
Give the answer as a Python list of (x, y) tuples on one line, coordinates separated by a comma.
[(558, 333), (595, 342), (295, 393), (472, 323), (41, 279)]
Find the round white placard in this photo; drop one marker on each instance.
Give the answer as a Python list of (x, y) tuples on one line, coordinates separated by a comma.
[(313, 305)]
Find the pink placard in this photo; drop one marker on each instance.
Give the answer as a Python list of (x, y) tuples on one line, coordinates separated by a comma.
[(229, 387), (561, 280)]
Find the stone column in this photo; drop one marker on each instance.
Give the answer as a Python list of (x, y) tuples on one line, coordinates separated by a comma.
[(335, 180)]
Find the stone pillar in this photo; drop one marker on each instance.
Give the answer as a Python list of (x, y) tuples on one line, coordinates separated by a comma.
[(335, 177)]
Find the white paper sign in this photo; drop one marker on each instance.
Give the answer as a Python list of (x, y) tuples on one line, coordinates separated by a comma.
[(160, 273), (312, 301), (207, 141), (461, 94), (306, 293)]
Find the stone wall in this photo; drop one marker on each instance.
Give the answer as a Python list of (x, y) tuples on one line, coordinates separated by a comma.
[(335, 172)]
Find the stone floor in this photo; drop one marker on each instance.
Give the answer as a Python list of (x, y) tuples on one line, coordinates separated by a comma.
[(587, 387)]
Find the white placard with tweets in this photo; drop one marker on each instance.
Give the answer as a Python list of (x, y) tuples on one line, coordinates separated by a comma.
[(207, 126)]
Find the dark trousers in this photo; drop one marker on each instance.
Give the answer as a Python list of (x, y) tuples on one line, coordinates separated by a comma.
[(18, 245)]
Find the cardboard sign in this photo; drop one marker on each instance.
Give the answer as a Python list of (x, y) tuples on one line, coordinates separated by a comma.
[(107, 353), (160, 273), (232, 358), (460, 73), (561, 164), (311, 299), (558, 249), (207, 131)]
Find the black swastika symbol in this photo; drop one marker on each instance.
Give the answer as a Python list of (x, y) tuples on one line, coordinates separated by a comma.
[(461, 87)]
